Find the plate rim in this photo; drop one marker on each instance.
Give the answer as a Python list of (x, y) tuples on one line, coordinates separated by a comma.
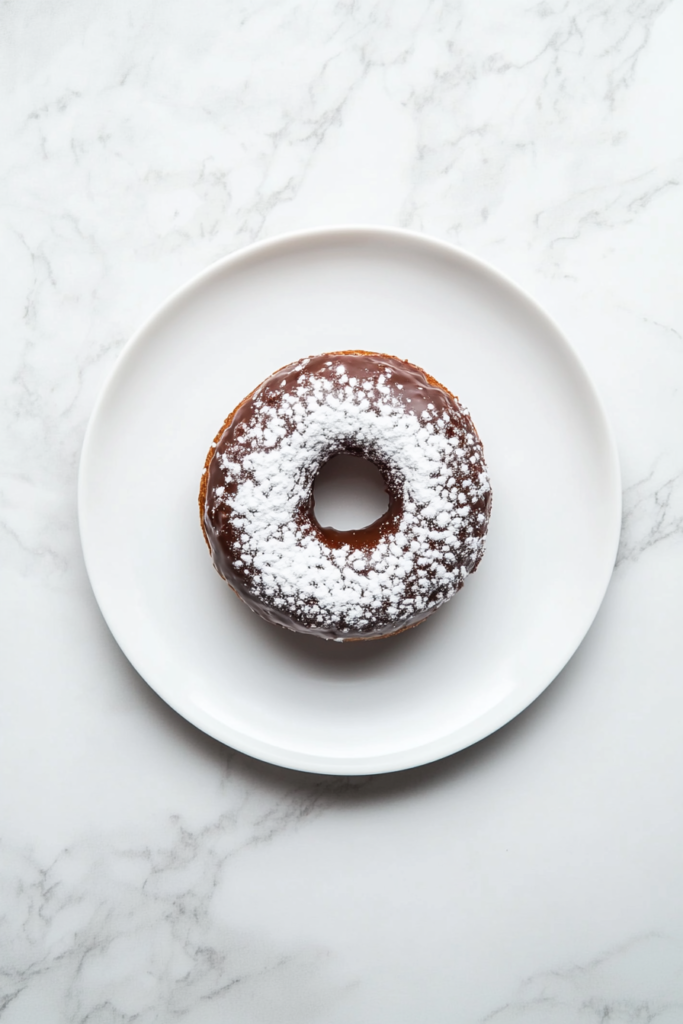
[(494, 718)]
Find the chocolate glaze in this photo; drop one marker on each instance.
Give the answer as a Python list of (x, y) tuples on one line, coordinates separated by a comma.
[(418, 393)]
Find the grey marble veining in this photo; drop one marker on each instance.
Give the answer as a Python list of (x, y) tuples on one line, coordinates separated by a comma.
[(126, 932), (607, 988), (148, 874)]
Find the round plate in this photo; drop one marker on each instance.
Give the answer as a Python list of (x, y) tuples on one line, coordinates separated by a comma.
[(381, 705)]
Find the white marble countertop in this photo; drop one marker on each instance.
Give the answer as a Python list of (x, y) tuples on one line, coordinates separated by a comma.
[(148, 873)]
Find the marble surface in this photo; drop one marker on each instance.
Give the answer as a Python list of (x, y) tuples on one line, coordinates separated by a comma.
[(149, 874)]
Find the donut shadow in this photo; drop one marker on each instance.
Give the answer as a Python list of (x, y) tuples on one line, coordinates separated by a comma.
[(343, 662)]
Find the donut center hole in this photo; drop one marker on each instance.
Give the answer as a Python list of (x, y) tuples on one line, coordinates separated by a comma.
[(349, 493)]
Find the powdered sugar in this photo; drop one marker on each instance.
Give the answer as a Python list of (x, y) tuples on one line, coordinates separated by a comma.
[(432, 459)]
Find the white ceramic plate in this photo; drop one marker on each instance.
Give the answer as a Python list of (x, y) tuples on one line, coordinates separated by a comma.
[(300, 701)]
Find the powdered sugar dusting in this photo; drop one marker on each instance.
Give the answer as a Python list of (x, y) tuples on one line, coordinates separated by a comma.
[(433, 462)]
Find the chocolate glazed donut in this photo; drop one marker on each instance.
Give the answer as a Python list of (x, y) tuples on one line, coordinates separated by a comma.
[(257, 508)]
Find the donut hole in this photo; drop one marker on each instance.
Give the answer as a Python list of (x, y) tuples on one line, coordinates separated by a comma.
[(349, 493)]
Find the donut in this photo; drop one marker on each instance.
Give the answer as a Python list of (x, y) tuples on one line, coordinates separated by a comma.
[(258, 512)]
